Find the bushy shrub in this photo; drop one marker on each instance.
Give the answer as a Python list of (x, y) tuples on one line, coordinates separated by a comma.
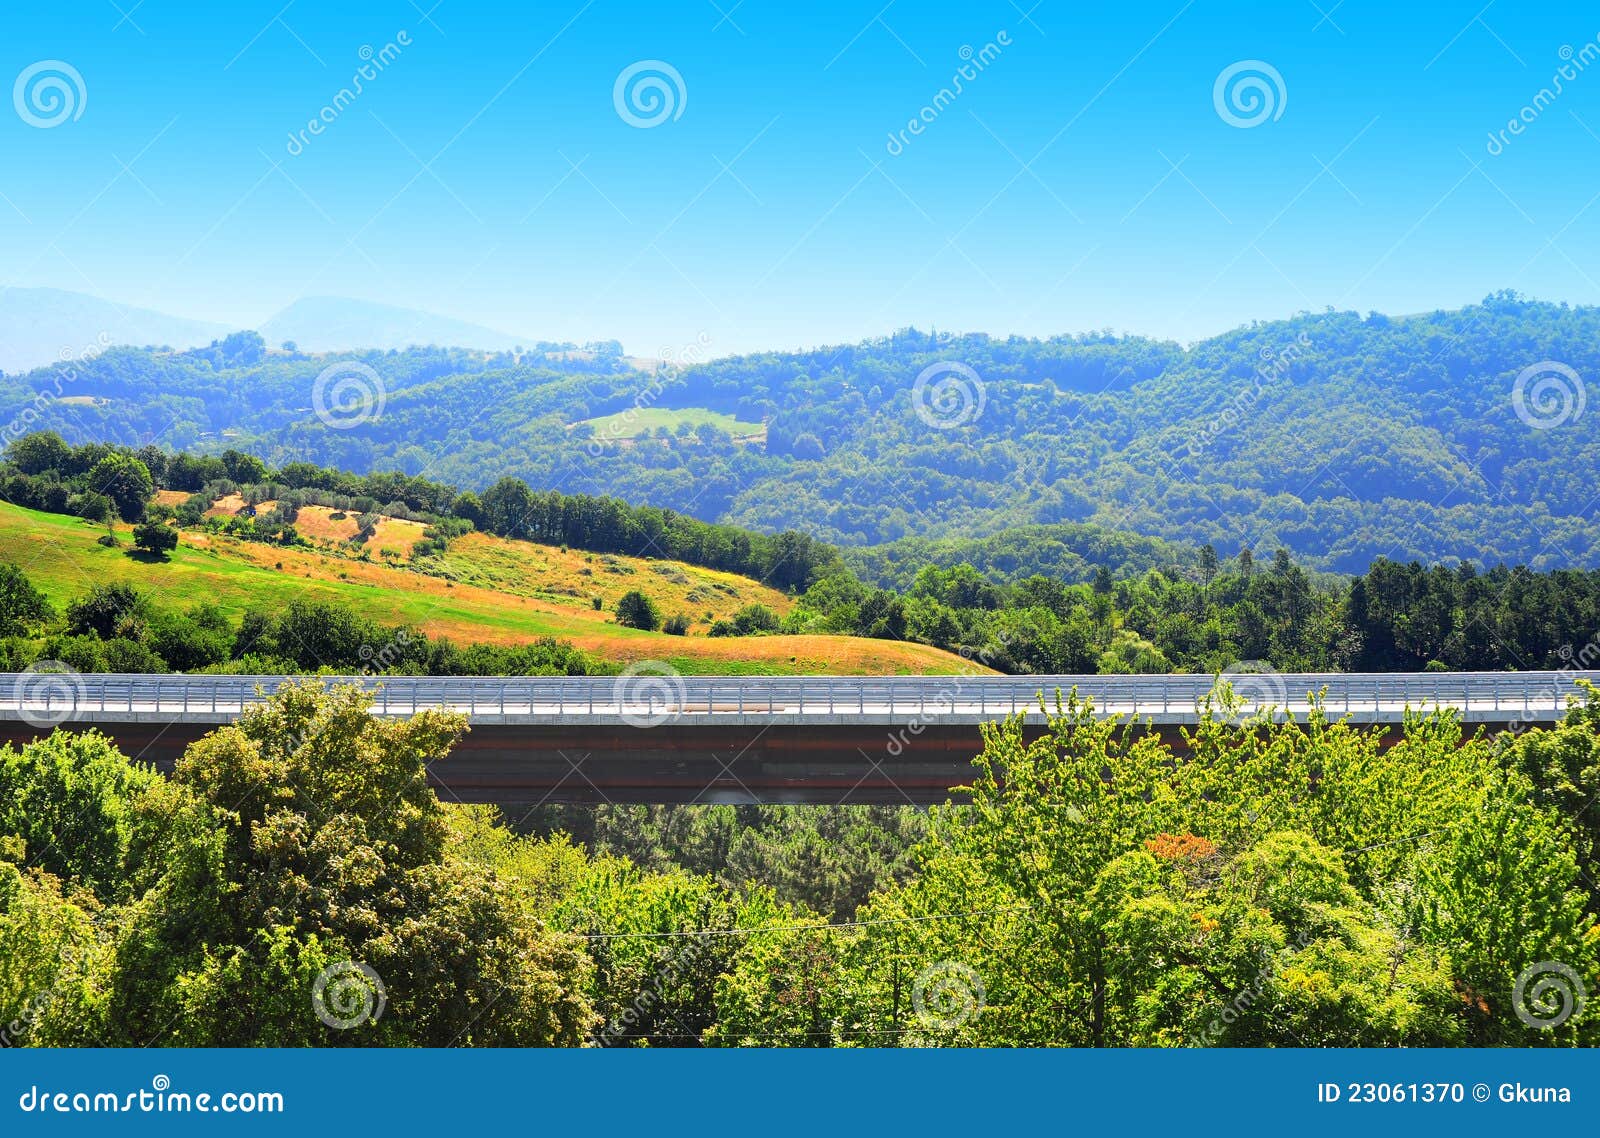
[(155, 537), (635, 610)]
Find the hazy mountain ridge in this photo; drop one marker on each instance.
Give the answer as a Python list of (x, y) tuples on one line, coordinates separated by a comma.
[(42, 326), (336, 324), (1340, 436)]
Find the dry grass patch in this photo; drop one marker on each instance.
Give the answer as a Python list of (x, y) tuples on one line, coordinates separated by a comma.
[(62, 556), (393, 534)]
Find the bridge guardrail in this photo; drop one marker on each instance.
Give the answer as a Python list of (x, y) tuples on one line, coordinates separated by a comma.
[(1543, 694)]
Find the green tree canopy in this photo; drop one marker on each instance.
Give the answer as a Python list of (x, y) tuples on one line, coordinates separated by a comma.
[(20, 603), (299, 844), (126, 481), (155, 537), (635, 610)]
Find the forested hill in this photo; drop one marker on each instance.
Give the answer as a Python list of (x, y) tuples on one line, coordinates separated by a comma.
[(1339, 436)]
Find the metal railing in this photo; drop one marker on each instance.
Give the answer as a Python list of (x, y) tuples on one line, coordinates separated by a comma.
[(1531, 695)]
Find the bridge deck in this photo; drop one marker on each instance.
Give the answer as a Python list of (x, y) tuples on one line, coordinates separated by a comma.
[(666, 738), (648, 699)]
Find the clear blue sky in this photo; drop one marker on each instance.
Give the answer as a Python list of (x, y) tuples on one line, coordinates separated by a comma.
[(770, 212)]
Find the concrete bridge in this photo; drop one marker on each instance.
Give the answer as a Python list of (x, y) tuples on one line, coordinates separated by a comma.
[(651, 735)]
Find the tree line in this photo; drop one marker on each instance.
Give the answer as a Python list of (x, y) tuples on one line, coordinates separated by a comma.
[(296, 882), (1394, 617), (98, 481), (119, 627), (1158, 612)]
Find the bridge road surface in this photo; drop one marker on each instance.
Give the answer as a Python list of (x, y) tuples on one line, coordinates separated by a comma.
[(659, 737)]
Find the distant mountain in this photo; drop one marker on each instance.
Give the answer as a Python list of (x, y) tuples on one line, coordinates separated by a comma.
[(1339, 436), (40, 326), (337, 324)]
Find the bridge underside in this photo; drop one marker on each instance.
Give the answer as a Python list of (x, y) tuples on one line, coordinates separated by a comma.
[(521, 766)]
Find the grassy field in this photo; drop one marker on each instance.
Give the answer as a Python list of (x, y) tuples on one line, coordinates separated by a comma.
[(637, 421), (502, 592)]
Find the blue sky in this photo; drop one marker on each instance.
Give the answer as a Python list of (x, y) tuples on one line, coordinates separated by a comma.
[(1083, 178)]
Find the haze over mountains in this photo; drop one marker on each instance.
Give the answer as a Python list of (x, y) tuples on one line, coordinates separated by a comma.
[(39, 326), (1339, 436), (337, 324)]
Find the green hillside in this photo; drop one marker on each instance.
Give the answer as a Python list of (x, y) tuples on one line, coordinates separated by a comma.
[(1340, 436), (526, 592)]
